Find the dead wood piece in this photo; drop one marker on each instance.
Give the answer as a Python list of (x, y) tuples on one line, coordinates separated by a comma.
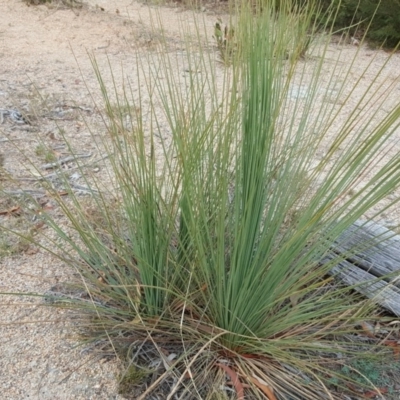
[(19, 192), (16, 139), (371, 262), (373, 248), (65, 160), (84, 188), (384, 294)]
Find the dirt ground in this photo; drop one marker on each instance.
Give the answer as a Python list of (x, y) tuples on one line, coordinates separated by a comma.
[(45, 79)]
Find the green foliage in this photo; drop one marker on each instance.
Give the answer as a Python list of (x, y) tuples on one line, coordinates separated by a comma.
[(363, 371), (372, 371), (131, 378), (45, 153), (381, 19), (212, 241)]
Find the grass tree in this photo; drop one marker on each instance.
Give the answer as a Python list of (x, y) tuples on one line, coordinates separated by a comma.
[(213, 257)]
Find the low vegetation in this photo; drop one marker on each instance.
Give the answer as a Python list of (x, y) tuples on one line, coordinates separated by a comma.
[(205, 259), (378, 20)]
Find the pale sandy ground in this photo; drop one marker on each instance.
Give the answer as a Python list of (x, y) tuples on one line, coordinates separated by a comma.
[(47, 49)]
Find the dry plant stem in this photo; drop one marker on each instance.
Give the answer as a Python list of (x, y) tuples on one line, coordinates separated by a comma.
[(84, 188), (30, 192), (65, 160), (170, 395), (14, 140), (57, 173), (207, 344)]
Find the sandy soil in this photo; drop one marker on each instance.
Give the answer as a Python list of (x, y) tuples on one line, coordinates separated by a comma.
[(45, 50)]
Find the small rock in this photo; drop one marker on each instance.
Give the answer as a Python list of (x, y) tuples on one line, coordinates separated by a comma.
[(75, 176)]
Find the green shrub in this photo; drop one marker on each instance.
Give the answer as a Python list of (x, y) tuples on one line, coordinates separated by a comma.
[(380, 20)]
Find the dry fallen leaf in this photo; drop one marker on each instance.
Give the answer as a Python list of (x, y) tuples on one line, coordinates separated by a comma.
[(16, 210), (375, 393), (235, 380), (368, 329), (395, 345), (264, 387), (31, 250)]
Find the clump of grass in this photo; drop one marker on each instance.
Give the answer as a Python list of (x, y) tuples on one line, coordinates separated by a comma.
[(3, 172), (17, 230), (131, 378), (44, 152), (214, 251), (10, 246)]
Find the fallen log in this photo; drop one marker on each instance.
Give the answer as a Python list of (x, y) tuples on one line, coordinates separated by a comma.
[(370, 256)]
